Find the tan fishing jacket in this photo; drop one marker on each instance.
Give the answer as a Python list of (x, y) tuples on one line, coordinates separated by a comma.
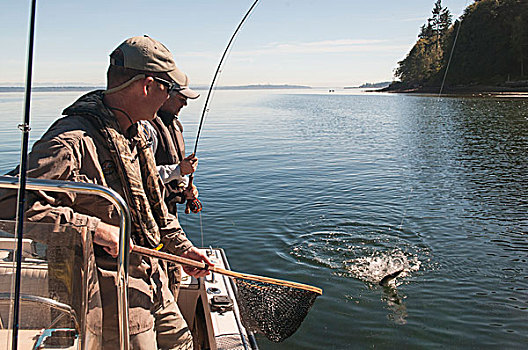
[(73, 149)]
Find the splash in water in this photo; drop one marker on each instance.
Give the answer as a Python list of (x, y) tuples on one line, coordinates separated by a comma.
[(386, 269), (382, 267), (374, 258)]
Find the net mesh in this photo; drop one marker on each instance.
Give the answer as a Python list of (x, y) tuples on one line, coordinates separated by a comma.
[(230, 342), (275, 311)]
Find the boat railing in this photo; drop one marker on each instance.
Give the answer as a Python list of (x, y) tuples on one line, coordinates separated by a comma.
[(9, 182), (54, 304)]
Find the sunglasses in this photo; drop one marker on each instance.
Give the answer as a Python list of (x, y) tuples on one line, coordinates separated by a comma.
[(171, 86)]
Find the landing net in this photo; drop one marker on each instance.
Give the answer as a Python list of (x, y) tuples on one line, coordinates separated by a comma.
[(275, 311)]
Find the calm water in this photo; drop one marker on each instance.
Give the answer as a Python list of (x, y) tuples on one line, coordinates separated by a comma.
[(338, 190)]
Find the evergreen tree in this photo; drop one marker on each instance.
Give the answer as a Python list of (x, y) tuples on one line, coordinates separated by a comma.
[(492, 43), (487, 45), (425, 59)]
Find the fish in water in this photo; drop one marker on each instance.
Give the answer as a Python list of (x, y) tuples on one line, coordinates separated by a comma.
[(388, 278)]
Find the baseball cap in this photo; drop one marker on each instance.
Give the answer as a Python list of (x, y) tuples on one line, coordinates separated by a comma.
[(147, 54), (189, 93)]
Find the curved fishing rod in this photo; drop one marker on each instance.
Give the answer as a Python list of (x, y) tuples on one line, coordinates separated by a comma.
[(22, 178), (195, 205)]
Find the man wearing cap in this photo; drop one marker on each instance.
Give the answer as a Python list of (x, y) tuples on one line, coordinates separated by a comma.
[(166, 133), (97, 141)]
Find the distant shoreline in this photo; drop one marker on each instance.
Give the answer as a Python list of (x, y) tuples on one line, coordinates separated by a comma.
[(381, 85), (89, 88), (257, 87), (472, 91), (49, 88)]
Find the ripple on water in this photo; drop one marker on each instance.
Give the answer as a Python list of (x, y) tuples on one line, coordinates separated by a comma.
[(366, 257)]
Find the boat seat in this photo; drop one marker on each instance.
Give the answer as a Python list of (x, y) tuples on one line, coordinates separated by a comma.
[(34, 282)]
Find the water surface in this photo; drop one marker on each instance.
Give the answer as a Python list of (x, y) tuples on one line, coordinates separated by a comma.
[(339, 189)]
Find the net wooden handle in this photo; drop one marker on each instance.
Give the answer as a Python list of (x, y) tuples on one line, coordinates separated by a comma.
[(201, 265), (169, 257)]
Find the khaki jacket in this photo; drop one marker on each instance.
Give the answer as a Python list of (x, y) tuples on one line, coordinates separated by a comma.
[(74, 150)]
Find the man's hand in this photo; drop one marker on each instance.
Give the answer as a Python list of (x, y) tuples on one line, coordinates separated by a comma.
[(188, 165), (195, 254), (107, 236), (191, 193)]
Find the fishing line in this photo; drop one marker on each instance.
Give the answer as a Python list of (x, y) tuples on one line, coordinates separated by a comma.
[(438, 100), (451, 56), (389, 277), (201, 229), (405, 210), (439, 96)]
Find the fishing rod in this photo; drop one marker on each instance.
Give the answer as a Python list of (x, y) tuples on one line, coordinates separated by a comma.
[(194, 204), (22, 178)]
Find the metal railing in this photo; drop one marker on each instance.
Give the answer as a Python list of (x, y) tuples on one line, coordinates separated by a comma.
[(53, 304), (9, 182)]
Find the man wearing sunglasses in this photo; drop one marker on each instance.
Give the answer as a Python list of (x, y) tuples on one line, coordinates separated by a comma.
[(165, 132), (97, 141)]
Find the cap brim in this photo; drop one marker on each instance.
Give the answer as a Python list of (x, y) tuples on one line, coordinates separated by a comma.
[(179, 77), (189, 93)]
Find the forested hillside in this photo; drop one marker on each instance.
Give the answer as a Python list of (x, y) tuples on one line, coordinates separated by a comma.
[(488, 45)]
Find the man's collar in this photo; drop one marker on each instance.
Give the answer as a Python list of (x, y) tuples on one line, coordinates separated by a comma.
[(166, 116), (132, 131)]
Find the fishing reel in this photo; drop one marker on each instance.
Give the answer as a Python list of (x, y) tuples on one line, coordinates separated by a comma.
[(193, 205)]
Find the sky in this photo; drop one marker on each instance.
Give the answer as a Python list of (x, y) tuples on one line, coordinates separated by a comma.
[(320, 43)]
